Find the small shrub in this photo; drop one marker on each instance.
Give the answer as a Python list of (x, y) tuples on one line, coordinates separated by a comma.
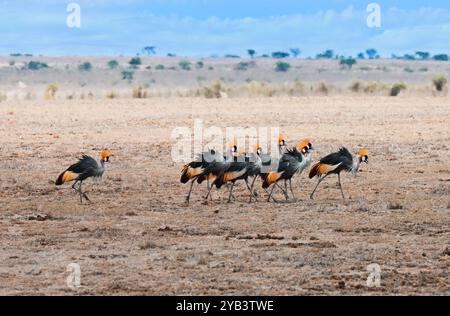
[(135, 62), (199, 65), (112, 95), (356, 86), (396, 89), (50, 91), (243, 66), (201, 78), (423, 69), (257, 89), (439, 82), (12, 63), (140, 93), (371, 87), (282, 66), (349, 62), (323, 88), (127, 75), (160, 67), (408, 69), (87, 66), (214, 91), (210, 68), (36, 65), (395, 206), (185, 65), (113, 64), (297, 88)]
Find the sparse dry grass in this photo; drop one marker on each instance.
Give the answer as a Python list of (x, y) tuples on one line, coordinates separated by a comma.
[(112, 95), (140, 92), (50, 92)]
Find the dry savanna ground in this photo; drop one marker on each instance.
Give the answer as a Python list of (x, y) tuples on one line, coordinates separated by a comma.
[(139, 237)]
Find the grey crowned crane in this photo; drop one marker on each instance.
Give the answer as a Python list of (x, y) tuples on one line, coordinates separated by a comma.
[(234, 171), (210, 169), (337, 162), (194, 170), (86, 167), (293, 162)]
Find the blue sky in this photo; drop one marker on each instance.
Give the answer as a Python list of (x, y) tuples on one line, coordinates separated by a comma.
[(208, 27)]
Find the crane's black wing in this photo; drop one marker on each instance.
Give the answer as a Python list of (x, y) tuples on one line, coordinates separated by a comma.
[(337, 157), (342, 157), (85, 167), (291, 155)]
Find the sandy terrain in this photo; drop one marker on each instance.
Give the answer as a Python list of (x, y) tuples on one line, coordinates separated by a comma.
[(139, 237)]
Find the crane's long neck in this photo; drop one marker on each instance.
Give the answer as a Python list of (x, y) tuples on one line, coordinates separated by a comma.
[(102, 168), (356, 164)]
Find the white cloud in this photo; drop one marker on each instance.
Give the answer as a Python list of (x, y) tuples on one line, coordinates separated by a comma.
[(127, 31)]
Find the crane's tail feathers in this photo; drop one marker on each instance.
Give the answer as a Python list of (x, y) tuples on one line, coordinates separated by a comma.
[(270, 178), (66, 176), (189, 173), (184, 174), (318, 169)]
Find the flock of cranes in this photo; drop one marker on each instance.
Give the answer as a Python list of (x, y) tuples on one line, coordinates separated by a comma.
[(226, 169), (219, 170)]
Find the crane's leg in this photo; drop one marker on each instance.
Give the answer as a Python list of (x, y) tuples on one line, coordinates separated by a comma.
[(82, 194), (270, 194), (250, 188), (231, 193), (73, 186), (190, 191), (209, 195), (290, 186), (252, 192), (340, 186), (228, 187), (281, 188), (319, 182), (286, 195)]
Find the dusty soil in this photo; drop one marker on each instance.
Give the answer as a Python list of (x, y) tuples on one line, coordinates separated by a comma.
[(139, 237)]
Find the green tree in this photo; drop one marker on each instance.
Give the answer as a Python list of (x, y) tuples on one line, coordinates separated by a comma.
[(295, 52), (87, 66), (349, 62), (135, 62), (113, 64), (282, 66)]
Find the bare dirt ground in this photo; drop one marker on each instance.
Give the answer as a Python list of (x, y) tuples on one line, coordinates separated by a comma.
[(139, 237)]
